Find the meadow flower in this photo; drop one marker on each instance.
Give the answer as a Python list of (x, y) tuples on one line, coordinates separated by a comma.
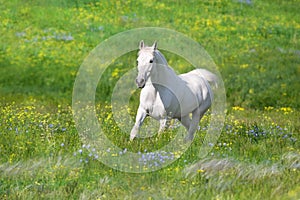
[(249, 2), (68, 38), (100, 28), (20, 34), (63, 37), (238, 108), (155, 159)]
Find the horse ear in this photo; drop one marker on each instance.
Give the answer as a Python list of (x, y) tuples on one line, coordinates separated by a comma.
[(154, 45), (142, 44)]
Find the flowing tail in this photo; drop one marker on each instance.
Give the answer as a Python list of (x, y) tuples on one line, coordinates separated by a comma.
[(207, 75)]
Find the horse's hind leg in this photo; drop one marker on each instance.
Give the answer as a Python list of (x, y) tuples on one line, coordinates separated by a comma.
[(196, 116), (185, 121)]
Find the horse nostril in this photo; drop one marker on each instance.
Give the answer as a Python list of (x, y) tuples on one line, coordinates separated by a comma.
[(140, 81)]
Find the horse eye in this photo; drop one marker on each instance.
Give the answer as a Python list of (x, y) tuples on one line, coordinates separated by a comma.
[(151, 61)]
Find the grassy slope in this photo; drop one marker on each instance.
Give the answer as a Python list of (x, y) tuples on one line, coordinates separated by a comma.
[(256, 48)]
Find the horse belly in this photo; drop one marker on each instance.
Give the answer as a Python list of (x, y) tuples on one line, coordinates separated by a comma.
[(196, 93), (188, 103)]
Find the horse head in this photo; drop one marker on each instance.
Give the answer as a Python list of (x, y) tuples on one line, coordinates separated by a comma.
[(145, 62)]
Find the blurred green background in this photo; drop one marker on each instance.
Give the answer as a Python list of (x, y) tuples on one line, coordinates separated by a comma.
[(255, 44)]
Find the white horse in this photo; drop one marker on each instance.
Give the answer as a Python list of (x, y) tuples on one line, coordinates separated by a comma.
[(165, 95)]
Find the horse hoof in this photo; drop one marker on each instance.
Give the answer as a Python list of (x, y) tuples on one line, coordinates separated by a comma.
[(131, 138)]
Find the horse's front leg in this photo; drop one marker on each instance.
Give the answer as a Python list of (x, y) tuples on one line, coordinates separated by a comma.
[(140, 117)]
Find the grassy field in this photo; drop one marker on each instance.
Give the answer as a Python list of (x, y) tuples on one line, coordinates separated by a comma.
[(255, 45)]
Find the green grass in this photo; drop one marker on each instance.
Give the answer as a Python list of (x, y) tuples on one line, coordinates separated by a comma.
[(256, 48), (42, 157)]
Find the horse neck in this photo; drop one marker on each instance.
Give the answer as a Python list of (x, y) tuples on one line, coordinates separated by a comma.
[(164, 75), (160, 58), (162, 65)]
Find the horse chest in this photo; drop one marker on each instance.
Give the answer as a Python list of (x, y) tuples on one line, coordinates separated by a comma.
[(151, 102)]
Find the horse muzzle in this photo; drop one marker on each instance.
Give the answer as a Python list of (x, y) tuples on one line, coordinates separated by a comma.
[(140, 82)]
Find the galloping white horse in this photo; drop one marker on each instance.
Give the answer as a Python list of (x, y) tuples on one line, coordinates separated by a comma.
[(166, 96)]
